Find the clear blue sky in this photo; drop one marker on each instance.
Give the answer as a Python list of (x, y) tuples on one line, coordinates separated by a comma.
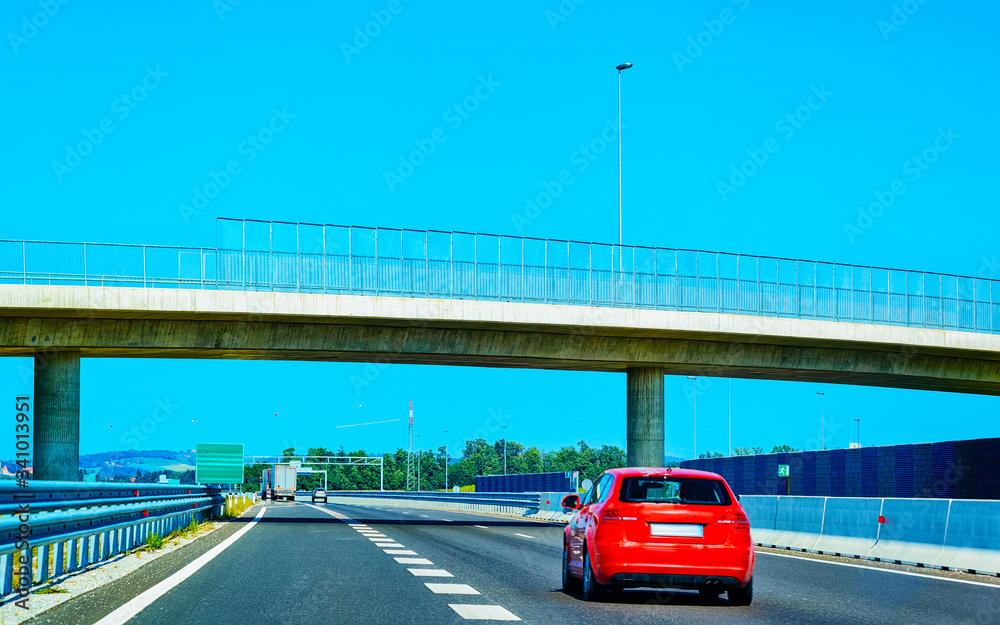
[(878, 90)]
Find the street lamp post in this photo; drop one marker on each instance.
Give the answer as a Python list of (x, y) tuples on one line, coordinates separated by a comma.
[(822, 420), (730, 417), (694, 396), (445, 460), (859, 432), (621, 67), (418, 464), (504, 427)]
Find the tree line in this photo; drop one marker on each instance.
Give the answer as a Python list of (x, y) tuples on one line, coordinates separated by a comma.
[(477, 458)]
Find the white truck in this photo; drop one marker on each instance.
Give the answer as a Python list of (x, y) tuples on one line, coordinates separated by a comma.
[(284, 482)]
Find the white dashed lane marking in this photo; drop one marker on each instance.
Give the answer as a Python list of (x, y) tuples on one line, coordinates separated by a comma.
[(413, 561), (472, 612), (430, 572), (483, 612), (451, 589)]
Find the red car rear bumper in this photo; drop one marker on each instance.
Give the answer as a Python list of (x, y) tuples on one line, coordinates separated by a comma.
[(673, 566)]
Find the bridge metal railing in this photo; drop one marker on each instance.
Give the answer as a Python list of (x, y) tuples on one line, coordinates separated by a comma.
[(52, 529), (307, 258)]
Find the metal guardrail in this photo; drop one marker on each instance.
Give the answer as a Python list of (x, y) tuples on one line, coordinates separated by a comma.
[(308, 258), (50, 529)]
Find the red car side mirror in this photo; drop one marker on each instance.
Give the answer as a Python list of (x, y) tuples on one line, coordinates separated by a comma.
[(571, 501)]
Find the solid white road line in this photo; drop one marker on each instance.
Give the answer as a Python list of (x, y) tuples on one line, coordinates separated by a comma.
[(430, 572), (144, 599), (482, 612), (413, 561), (400, 552), (881, 570), (451, 589), (523, 535)]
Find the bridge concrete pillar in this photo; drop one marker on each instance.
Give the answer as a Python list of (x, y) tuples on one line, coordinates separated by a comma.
[(644, 420), (56, 426)]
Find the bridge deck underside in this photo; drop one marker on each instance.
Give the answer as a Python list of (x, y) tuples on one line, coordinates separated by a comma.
[(486, 345)]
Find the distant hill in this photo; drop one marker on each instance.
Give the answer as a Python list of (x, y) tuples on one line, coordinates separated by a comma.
[(109, 464), (125, 464), (145, 459)]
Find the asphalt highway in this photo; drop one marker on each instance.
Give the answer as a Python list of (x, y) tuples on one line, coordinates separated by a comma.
[(355, 565)]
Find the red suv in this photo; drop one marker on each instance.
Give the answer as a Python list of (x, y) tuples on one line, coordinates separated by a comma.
[(664, 528)]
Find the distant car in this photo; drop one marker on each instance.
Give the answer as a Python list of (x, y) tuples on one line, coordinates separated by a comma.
[(662, 528), (319, 494)]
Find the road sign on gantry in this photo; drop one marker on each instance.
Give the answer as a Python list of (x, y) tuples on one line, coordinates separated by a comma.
[(217, 463)]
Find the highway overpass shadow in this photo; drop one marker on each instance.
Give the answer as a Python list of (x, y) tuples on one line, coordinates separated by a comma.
[(485, 522), (274, 516)]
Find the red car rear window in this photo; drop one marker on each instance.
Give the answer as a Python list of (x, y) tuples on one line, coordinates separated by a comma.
[(685, 490)]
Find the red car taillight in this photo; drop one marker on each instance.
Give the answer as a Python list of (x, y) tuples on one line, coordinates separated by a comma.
[(611, 516), (736, 519)]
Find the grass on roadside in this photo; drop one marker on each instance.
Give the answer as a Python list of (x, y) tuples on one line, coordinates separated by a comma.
[(240, 505)]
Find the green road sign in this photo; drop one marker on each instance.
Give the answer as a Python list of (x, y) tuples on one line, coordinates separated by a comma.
[(219, 464), (782, 470)]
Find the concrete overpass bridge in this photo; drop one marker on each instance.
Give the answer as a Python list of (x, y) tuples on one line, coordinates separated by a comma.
[(302, 292)]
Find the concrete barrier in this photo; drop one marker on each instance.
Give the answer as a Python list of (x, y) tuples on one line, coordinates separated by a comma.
[(798, 522), (913, 532), (972, 541), (850, 526), (762, 511)]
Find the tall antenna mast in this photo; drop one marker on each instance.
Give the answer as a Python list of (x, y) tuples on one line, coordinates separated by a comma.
[(409, 456)]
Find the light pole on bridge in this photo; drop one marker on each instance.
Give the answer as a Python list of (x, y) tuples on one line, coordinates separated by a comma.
[(621, 67)]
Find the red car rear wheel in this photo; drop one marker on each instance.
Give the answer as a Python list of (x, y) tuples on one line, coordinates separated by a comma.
[(570, 584), (592, 589)]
